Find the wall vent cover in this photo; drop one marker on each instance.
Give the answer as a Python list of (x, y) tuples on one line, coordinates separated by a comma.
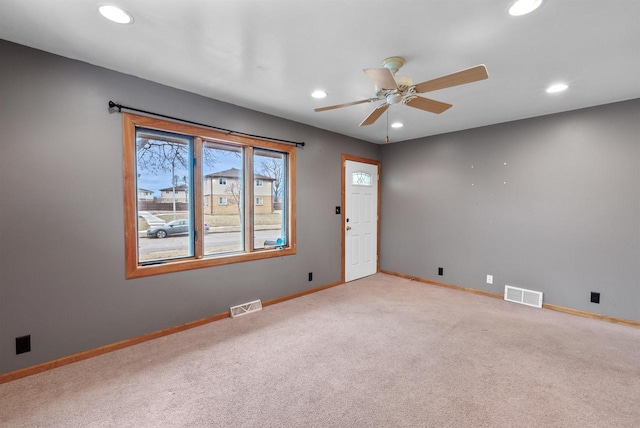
[(245, 308), (523, 296)]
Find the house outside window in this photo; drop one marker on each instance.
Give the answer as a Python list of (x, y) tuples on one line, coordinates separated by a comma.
[(234, 184), (145, 194), (174, 193), (259, 201), (222, 201)]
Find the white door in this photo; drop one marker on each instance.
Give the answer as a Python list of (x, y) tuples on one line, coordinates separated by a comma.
[(361, 220)]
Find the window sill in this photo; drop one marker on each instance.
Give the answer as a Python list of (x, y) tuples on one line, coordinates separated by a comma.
[(169, 266)]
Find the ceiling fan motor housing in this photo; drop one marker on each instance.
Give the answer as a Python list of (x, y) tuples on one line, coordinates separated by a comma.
[(394, 98)]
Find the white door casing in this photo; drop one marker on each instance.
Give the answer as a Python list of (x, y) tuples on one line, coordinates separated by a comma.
[(361, 220)]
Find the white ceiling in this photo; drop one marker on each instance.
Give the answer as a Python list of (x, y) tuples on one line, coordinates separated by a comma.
[(269, 55)]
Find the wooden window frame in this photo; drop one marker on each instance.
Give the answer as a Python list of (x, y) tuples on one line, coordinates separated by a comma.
[(134, 269)]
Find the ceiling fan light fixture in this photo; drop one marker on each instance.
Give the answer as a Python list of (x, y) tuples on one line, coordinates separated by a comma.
[(115, 14), (319, 94), (523, 7), (394, 98)]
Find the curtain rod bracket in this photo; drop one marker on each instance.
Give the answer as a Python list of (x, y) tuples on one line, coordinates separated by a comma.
[(119, 107)]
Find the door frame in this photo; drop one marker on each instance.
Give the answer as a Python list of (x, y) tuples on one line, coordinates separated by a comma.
[(344, 158)]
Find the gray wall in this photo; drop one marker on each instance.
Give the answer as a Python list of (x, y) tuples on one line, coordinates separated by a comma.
[(61, 218), (550, 204)]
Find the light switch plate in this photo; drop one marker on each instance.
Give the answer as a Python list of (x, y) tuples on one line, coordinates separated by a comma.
[(489, 279)]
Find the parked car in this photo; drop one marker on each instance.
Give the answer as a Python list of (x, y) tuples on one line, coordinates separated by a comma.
[(175, 227)]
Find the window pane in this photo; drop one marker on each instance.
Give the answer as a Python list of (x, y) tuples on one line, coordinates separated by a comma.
[(270, 199), (223, 198), (164, 177), (361, 179)]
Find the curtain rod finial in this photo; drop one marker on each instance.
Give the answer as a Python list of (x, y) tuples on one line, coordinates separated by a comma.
[(113, 105)]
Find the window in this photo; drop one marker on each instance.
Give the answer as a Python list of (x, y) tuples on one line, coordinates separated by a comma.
[(361, 179), (270, 219), (204, 216)]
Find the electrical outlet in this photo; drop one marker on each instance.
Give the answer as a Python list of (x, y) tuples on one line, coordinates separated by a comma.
[(310, 276), (489, 279), (23, 344), (440, 271), (595, 297), (337, 210)]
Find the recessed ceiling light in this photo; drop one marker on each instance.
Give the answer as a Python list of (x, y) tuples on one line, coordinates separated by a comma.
[(558, 87), (397, 125), (318, 94), (522, 7), (115, 14)]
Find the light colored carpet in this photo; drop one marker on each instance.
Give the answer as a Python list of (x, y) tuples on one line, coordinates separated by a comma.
[(378, 352)]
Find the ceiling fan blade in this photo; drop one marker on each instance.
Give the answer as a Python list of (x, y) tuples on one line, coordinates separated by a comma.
[(375, 114), (427, 104), (382, 77), (473, 74), (345, 104)]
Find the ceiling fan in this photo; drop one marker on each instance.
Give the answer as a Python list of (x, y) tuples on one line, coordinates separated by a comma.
[(394, 89)]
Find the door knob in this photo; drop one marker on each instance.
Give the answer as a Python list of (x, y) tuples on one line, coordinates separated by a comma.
[(348, 227)]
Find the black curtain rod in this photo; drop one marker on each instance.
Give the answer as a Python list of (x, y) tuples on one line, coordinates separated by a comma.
[(119, 107)]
